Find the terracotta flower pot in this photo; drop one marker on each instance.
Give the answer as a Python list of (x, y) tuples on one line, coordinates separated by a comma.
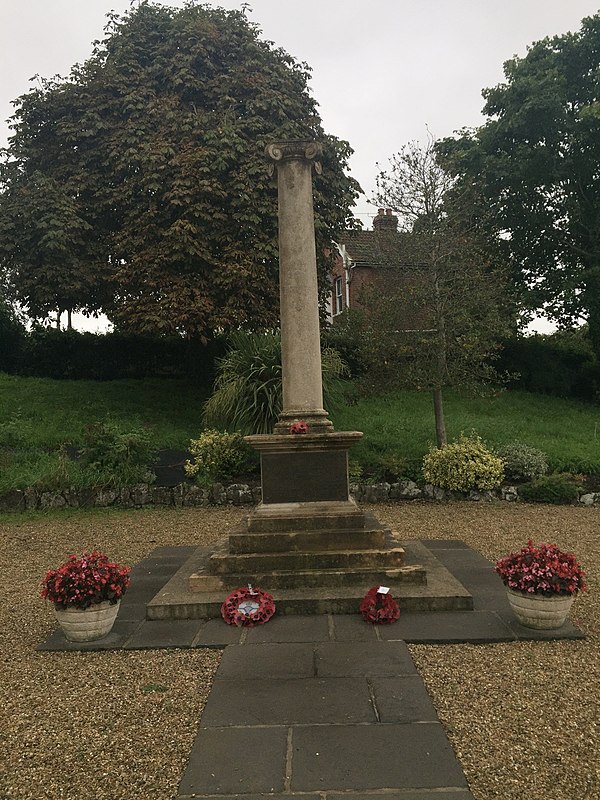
[(538, 611), (87, 624)]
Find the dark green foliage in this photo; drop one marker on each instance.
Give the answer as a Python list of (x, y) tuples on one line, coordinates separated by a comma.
[(138, 185), (12, 337), (558, 488), (535, 163), (345, 335), (552, 365), (49, 353), (248, 392), (116, 453)]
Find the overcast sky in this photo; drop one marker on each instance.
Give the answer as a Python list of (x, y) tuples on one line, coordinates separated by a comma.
[(383, 70)]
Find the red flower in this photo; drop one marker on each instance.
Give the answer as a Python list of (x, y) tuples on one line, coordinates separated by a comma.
[(299, 427), (542, 570), (83, 581)]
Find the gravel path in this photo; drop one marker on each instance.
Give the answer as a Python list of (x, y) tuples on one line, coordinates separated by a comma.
[(523, 717)]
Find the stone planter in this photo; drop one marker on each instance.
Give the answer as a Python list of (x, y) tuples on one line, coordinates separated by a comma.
[(538, 611), (87, 624)]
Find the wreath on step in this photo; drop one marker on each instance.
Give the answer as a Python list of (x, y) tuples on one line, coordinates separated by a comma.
[(247, 607), (379, 607)]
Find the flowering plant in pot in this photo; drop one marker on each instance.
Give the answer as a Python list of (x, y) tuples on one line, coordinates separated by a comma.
[(86, 591), (541, 582)]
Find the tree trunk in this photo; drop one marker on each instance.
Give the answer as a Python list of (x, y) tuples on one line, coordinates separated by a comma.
[(69, 320), (440, 422), (57, 323), (441, 366)]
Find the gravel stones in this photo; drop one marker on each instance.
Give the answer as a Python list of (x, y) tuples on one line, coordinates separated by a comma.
[(522, 716)]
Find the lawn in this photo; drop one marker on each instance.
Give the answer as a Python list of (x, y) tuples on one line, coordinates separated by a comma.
[(38, 416), (400, 425)]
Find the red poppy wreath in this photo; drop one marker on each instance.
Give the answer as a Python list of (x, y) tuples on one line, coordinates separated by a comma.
[(247, 607), (379, 607)]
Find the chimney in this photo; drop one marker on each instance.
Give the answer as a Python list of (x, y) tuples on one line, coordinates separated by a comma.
[(385, 221)]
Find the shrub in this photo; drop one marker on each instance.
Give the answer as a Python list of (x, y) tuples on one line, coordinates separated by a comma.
[(72, 355), (355, 472), (463, 465), (116, 455), (522, 462), (217, 456), (560, 488)]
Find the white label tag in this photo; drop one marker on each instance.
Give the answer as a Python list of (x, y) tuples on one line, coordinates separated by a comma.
[(383, 590)]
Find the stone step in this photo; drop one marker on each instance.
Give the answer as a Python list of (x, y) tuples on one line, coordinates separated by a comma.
[(295, 579), (286, 517), (326, 600), (441, 592), (241, 541), (256, 563)]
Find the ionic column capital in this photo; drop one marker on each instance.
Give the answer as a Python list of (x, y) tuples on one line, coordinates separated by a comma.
[(295, 150)]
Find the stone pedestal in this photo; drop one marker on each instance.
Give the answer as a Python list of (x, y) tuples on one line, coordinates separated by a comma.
[(307, 468)]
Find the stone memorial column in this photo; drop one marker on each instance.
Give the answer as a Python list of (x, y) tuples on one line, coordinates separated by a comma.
[(299, 301)]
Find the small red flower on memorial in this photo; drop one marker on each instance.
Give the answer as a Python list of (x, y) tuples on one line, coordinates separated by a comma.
[(248, 607), (379, 607), (299, 427)]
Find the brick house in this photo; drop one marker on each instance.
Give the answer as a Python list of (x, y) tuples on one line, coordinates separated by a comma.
[(370, 258)]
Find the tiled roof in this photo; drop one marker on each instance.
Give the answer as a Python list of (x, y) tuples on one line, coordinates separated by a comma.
[(376, 248)]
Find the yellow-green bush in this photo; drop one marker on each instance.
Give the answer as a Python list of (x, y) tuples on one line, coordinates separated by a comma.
[(217, 456), (463, 465)]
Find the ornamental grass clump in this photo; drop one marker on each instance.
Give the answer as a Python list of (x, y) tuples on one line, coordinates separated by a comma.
[(463, 465), (544, 570), (83, 581)]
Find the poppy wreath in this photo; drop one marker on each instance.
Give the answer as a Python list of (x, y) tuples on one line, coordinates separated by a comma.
[(379, 608), (231, 613), (299, 427)]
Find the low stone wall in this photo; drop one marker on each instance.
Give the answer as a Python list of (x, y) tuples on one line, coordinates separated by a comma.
[(140, 496), (238, 494)]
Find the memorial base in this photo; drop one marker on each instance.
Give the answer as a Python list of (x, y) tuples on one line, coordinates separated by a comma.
[(307, 542)]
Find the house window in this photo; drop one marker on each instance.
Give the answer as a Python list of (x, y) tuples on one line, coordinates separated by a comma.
[(339, 296)]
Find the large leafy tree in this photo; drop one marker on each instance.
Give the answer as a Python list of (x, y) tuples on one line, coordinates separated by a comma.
[(536, 162), (137, 185)]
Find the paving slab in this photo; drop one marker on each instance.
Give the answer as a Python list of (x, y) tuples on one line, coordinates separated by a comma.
[(402, 699), (308, 628), (353, 628), (363, 659), (216, 633), (269, 796), (401, 794), (131, 609), (236, 760), (445, 544), (267, 660), (336, 757), (164, 633), (288, 702), (450, 628), (120, 633)]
